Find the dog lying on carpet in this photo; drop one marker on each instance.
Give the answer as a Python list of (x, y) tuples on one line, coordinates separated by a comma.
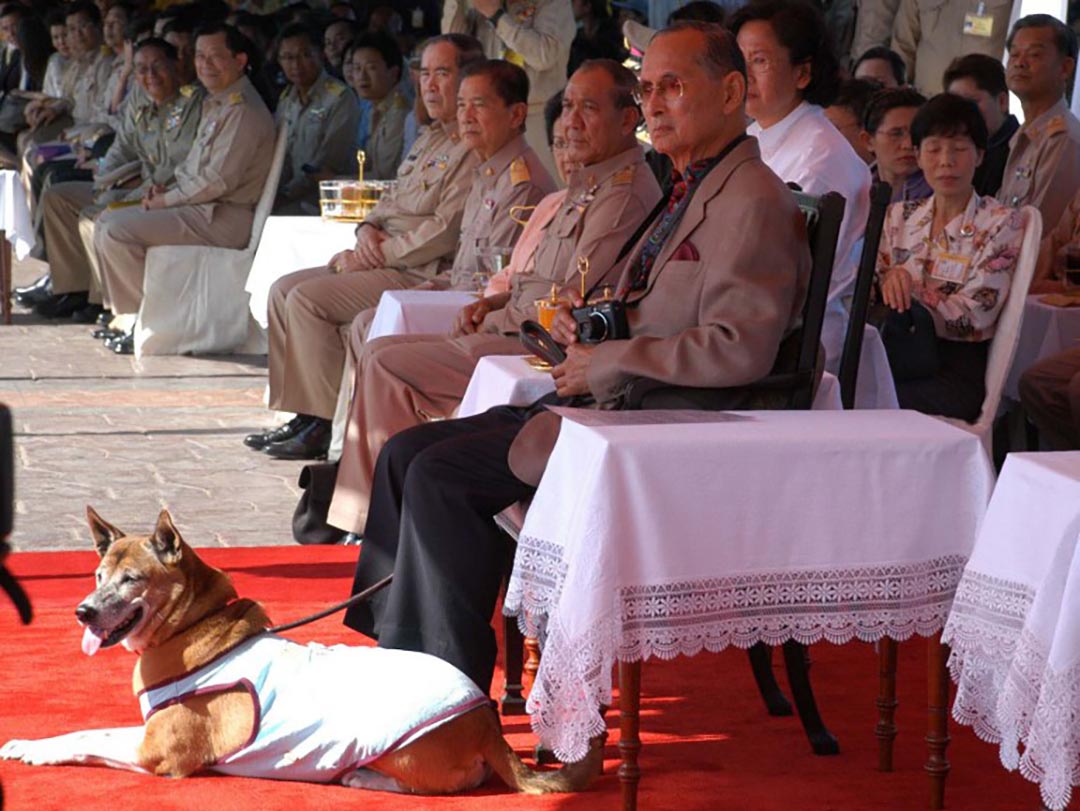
[(217, 692)]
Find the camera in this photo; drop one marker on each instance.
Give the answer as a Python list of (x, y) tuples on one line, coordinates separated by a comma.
[(601, 321)]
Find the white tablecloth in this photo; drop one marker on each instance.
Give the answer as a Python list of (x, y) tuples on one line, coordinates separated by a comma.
[(510, 380), (1015, 624), (15, 216), (874, 387), (417, 312), (289, 244), (648, 539), (1046, 331)]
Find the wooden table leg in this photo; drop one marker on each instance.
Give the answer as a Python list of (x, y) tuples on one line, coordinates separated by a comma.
[(937, 735), (629, 728), (5, 277), (886, 703)]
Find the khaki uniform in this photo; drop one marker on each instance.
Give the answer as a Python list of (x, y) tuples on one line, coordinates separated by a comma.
[(150, 143), (386, 139), (322, 133), (873, 25), (1050, 394), (210, 202), (406, 380), (89, 90), (1044, 164), (421, 217), (929, 34), (535, 34)]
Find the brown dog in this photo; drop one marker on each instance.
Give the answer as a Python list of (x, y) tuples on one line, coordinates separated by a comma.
[(183, 618)]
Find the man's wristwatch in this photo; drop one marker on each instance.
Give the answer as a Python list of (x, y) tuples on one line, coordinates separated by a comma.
[(494, 18)]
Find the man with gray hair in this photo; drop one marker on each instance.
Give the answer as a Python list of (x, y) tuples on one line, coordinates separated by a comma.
[(712, 284)]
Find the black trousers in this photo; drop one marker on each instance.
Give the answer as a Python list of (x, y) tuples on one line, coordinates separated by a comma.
[(958, 388), (437, 489)]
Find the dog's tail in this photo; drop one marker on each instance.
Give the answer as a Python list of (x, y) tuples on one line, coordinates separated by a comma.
[(576, 776)]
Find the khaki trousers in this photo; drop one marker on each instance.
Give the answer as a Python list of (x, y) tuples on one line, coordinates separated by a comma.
[(123, 236), (68, 263), (401, 381), (306, 312), (87, 227), (1050, 393)]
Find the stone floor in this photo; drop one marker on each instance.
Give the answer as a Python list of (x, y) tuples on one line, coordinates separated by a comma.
[(131, 437)]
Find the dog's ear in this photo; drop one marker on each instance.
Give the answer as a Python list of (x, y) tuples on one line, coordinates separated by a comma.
[(166, 540), (102, 532)]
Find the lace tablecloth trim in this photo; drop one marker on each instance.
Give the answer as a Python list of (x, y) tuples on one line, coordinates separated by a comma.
[(867, 602), (1007, 691)]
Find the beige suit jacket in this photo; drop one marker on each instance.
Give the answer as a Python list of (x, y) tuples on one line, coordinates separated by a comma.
[(727, 286)]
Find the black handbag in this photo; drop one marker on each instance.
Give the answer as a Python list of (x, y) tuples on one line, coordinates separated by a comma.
[(910, 343), (309, 519)]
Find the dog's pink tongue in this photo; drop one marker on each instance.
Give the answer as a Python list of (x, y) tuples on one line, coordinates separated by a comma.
[(90, 642)]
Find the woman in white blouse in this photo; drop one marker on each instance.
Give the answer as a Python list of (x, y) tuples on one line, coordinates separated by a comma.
[(792, 74), (954, 253)]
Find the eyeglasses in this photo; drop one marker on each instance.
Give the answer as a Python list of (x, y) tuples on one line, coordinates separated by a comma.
[(669, 88)]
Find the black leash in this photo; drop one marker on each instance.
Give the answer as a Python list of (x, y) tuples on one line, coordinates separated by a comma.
[(326, 612)]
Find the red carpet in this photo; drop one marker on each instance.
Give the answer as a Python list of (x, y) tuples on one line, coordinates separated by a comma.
[(708, 742)]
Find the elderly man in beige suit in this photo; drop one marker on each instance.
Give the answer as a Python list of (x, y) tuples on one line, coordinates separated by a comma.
[(410, 238), (490, 116), (213, 196), (535, 34), (404, 381), (713, 285)]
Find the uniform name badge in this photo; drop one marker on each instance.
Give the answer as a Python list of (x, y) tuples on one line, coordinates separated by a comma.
[(978, 23), (951, 268)]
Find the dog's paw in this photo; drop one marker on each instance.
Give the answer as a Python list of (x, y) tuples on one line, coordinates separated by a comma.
[(36, 753)]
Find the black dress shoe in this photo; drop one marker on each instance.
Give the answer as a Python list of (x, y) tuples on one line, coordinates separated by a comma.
[(123, 344), (105, 318), (61, 306), (312, 442), (287, 431), (106, 333), (37, 292), (352, 539), (87, 315)]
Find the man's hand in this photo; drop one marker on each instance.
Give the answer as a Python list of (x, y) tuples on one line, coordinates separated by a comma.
[(345, 262), (563, 326), (154, 198), (369, 240), (487, 7), (896, 289), (571, 376), (470, 317)]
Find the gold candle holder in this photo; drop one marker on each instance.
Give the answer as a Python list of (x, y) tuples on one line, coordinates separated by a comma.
[(583, 272), (361, 157)]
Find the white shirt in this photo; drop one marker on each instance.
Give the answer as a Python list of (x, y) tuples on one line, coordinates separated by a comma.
[(323, 711), (805, 148)]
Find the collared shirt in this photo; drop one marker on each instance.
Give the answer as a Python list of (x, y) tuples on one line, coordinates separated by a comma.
[(156, 137), (230, 158), (422, 214), (54, 76), (534, 34), (963, 276), (90, 74), (322, 134), (512, 178), (1043, 169), (386, 136), (805, 148)]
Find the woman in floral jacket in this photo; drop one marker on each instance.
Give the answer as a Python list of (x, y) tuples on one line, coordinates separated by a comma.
[(954, 253)]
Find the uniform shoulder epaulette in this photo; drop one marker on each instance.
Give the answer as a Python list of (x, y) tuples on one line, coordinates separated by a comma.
[(623, 176), (284, 92), (401, 102), (236, 97), (335, 87), (1055, 125), (519, 171), (187, 91)]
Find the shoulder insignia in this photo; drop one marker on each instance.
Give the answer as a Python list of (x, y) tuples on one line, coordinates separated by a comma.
[(236, 98), (401, 102), (334, 87), (1055, 125), (519, 172), (623, 176), (187, 91), (284, 92)]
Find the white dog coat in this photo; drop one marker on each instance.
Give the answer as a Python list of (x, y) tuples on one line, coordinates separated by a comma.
[(322, 711)]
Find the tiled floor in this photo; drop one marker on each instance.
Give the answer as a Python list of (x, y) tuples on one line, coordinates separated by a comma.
[(131, 437)]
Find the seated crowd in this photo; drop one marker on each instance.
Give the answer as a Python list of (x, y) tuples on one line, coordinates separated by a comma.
[(701, 240)]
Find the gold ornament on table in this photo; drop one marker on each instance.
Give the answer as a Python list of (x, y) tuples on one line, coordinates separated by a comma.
[(351, 200), (583, 272), (361, 159), (545, 316)]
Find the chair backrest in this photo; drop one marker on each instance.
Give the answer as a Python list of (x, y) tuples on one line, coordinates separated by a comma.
[(1007, 333), (848, 373), (269, 192), (824, 216)]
